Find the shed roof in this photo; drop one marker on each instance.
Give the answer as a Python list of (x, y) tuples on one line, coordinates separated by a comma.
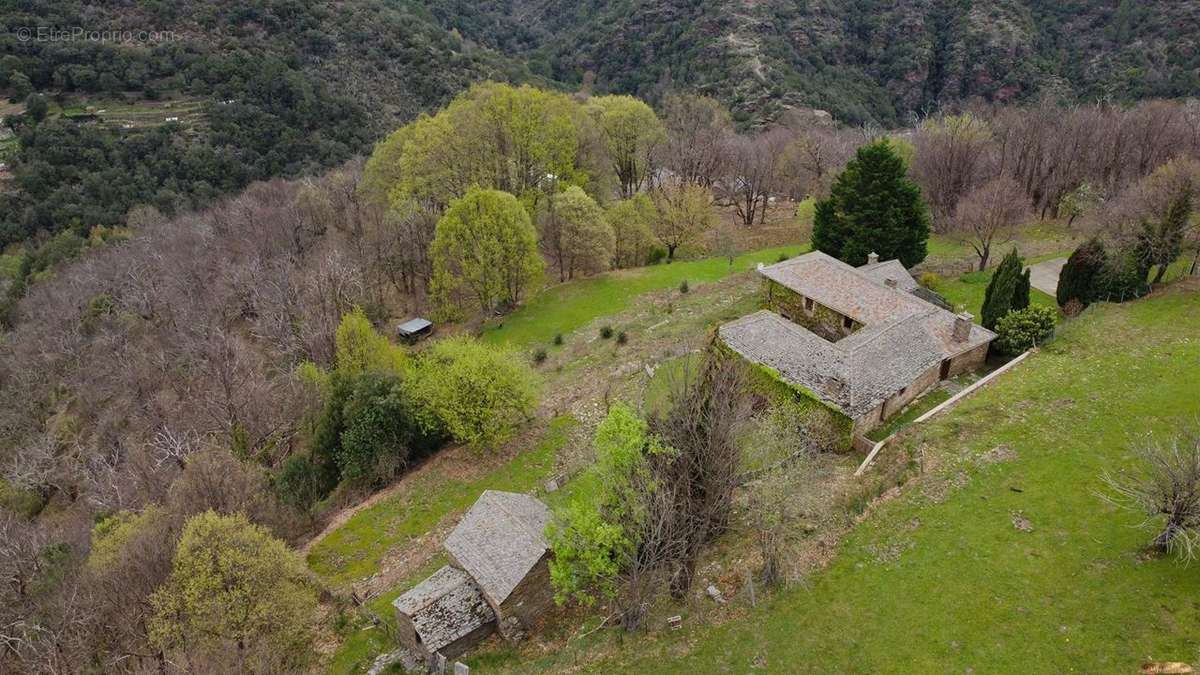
[(901, 336), (445, 608), (499, 540), (413, 325)]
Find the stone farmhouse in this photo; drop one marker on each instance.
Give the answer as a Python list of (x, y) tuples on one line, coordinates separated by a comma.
[(865, 341), (498, 579)]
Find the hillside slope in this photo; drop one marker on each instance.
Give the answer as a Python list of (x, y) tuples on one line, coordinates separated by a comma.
[(865, 60)]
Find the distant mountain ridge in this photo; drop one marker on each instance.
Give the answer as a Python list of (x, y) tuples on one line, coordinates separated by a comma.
[(864, 60)]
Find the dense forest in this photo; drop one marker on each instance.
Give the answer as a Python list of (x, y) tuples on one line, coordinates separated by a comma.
[(865, 60), (290, 87), (286, 88)]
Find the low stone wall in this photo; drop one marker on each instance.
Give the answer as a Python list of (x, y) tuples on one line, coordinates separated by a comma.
[(946, 405)]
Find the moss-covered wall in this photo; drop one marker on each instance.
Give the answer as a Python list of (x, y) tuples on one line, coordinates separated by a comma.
[(821, 320), (767, 382)]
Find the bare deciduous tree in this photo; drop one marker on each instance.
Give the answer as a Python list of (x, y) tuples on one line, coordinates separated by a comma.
[(989, 215)]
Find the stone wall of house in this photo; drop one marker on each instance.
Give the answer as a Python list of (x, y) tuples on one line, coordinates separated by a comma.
[(823, 321), (922, 384), (528, 602), (963, 363), (968, 361)]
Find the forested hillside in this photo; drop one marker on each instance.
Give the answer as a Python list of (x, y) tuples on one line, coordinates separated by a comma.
[(278, 88), (281, 88), (863, 60)]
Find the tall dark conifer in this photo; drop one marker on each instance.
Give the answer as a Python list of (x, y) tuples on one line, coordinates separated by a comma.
[(873, 207)]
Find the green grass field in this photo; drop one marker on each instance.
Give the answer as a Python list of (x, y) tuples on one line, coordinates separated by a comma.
[(967, 291), (566, 307), (356, 549), (940, 579)]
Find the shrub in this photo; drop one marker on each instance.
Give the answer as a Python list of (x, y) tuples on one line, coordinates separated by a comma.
[(1078, 279), (683, 286), (657, 254), (1026, 328), (302, 482), (930, 279), (480, 394), (539, 355), (782, 257), (1167, 485), (606, 332), (622, 338), (558, 339)]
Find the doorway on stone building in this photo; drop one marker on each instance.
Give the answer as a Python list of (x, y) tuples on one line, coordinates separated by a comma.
[(945, 374)]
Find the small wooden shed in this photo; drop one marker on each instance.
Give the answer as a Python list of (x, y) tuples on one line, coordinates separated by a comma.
[(501, 544)]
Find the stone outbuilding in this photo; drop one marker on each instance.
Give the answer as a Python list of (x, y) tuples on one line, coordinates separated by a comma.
[(501, 543), (445, 613), (864, 341), (498, 579)]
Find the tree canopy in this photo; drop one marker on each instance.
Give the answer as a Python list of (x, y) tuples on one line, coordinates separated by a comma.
[(234, 587), (485, 247), (873, 207)]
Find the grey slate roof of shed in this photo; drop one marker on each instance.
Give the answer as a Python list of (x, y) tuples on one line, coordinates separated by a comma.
[(499, 541), (445, 608), (413, 325), (901, 337)]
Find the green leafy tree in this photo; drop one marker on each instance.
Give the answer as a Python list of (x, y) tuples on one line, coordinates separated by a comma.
[(36, 107), (382, 430), (631, 220), (1024, 329), (493, 136), (597, 535), (1078, 281), (486, 248), (359, 348), (1008, 288), (684, 213), (632, 133), (873, 207), (478, 393), (575, 233), (234, 592)]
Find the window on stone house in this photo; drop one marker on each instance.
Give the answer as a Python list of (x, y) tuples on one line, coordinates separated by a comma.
[(847, 322), (808, 304)]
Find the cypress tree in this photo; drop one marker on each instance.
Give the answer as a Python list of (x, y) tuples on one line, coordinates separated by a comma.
[(1080, 276), (873, 206), (1004, 290), (1021, 295)]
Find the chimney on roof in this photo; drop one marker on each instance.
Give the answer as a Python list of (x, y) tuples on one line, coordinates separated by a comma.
[(890, 283), (872, 258), (962, 326)]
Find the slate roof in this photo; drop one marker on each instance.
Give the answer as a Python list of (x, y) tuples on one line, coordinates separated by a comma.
[(445, 608), (901, 337), (413, 325), (499, 540), (890, 269)]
